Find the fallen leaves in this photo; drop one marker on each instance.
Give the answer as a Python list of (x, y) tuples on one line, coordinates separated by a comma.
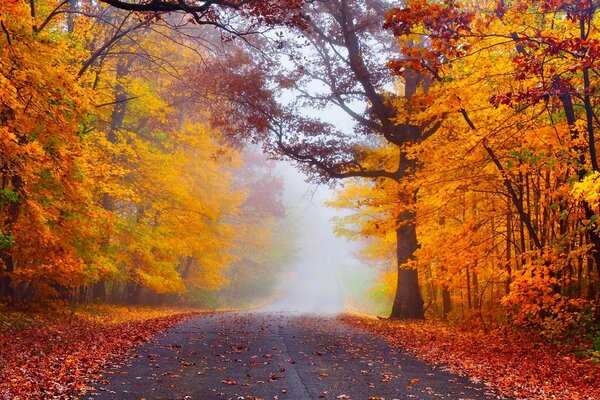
[(275, 377), (56, 357), (515, 365)]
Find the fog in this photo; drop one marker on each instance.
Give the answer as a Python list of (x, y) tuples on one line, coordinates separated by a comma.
[(314, 280)]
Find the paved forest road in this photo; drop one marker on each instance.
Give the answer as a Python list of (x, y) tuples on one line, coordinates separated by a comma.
[(274, 356)]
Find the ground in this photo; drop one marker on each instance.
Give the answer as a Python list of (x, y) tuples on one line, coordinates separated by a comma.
[(515, 362), (277, 356), (53, 353), (108, 352)]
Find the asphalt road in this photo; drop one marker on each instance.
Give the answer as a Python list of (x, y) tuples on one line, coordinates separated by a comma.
[(249, 356)]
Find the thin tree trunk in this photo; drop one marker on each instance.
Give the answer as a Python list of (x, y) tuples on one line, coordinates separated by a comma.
[(508, 250), (475, 283), (8, 262), (469, 304), (446, 302)]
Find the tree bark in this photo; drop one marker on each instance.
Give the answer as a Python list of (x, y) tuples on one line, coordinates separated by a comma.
[(408, 303), (8, 262), (6, 288), (99, 291), (132, 293), (446, 302)]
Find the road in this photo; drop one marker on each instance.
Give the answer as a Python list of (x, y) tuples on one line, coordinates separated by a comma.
[(250, 356)]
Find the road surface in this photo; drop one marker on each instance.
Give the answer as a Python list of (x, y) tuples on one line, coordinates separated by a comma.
[(250, 356)]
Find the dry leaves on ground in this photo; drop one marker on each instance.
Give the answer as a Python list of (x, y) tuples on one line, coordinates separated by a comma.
[(56, 357), (515, 365)]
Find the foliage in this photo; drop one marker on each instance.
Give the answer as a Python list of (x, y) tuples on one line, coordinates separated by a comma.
[(113, 184), (506, 187), (44, 194)]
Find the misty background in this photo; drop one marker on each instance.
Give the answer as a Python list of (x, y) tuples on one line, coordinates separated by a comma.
[(325, 276)]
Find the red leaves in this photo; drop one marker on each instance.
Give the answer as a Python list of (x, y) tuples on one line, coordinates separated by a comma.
[(516, 365), (274, 12), (274, 377), (445, 25), (445, 20), (59, 358), (501, 98)]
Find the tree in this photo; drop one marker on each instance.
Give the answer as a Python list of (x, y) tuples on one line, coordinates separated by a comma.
[(170, 185), (341, 50), (111, 174), (521, 144), (262, 243), (48, 216), (235, 18)]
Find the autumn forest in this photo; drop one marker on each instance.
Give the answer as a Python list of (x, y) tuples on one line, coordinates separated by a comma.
[(142, 192)]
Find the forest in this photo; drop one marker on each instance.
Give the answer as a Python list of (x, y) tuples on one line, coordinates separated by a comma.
[(140, 142)]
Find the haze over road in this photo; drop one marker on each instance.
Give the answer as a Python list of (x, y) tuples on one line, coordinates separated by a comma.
[(316, 288), (250, 356), (313, 280)]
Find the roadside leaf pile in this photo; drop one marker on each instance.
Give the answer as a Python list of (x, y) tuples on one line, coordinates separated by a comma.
[(515, 365), (56, 359)]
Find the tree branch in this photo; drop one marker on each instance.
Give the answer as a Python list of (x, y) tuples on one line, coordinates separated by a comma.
[(517, 201), (171, 6)]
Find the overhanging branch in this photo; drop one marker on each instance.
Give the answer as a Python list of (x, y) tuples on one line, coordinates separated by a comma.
[(171, 6)]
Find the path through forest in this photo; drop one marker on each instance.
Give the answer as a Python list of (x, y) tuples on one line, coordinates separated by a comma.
[(278, 356)]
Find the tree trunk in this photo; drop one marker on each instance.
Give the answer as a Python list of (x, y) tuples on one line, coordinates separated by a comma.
[(408, 303), (132, 293), (469, 305), (446, 302), (508, 251), (6, 288), (13, 210), (475, 283), (99, 291), (70, 16)]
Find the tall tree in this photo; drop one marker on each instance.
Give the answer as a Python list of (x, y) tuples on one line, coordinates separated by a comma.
[(47, 243), (110, 172), (336, 63), (512, 87)]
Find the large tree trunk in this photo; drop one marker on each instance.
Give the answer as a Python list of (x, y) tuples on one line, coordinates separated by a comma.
[(132, 293), (408, 303)]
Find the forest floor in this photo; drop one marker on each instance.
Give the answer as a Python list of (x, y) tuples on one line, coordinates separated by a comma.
[(516, 364), (54, 354)]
